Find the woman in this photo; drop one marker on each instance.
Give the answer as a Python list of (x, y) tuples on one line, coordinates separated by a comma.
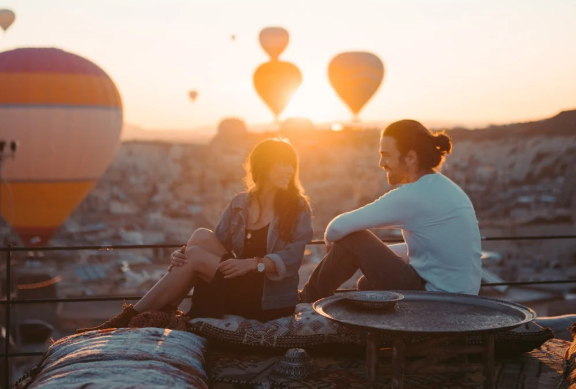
[(249, 265)]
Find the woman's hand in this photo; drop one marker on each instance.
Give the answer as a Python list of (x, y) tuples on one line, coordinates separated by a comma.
[(178, 258), (233, 267)]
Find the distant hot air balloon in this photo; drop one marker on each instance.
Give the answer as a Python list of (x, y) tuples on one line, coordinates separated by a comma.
[(66, 114), (297, 124), (231, 134), (193, 95), (232, 127), (355, 77), (7, 17), (274, 40), (276, 82)]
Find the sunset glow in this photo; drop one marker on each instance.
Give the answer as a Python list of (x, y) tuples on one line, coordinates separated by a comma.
[(316, 101), (454, 62)]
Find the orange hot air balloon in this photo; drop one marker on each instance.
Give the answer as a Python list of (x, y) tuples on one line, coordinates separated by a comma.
[(297, 124), (276, 82), (232, 127), (193, 95), (7, 17), (356, 76), (66, 114), (274, 41)]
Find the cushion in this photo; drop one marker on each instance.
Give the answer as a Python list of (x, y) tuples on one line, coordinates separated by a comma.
[(122, 358), (520, 340), (559, 324), (569, 374), (307, 328)]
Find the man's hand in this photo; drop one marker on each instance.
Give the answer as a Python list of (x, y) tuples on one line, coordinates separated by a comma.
[(233, 267)]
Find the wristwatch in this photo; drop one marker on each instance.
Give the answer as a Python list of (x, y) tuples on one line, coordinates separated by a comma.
[(260, 268)]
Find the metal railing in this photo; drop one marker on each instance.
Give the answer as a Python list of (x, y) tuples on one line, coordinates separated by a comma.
[(8, 302)]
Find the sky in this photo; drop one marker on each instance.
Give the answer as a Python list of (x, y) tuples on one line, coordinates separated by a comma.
[(448, 61)]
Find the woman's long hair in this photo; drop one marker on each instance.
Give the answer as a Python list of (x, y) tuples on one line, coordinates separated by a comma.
[(287, 203)]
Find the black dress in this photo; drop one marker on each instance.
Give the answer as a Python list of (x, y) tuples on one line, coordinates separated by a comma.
[(240, 296)]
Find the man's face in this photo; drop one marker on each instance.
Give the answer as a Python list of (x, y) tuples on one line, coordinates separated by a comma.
[(392, 162)]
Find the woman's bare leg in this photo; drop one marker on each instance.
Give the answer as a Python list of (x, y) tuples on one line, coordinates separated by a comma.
[(204, 251), (206, 239)]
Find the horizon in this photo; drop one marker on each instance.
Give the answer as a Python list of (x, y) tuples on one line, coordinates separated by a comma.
[(204, 134), (444, 63)]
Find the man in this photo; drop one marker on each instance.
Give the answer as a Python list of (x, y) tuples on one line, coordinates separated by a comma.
[(442, 250)]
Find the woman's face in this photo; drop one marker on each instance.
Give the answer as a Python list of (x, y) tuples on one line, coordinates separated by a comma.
[(280, 175)]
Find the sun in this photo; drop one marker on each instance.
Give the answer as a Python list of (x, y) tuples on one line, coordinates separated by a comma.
[(316, 101)]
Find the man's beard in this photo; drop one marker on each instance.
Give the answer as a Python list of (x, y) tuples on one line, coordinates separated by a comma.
[(395, 178), (392, 178)]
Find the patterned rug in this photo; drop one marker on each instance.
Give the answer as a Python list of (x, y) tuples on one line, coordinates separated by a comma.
[(541, 368)]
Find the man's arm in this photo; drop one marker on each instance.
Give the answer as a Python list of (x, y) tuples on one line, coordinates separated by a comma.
[(390, 211)]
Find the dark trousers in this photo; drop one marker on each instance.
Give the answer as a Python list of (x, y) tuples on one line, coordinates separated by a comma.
[(382, 268)]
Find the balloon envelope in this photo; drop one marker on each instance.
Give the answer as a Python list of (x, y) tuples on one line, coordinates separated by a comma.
[(193, 95), (232, 127), (274, 40), (295, 124), (66, 114), (276, 82), (356, 76), (7, 17)]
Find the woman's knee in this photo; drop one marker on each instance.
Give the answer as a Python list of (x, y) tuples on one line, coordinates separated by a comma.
[(201, 262), (201, 237), (194, 254)]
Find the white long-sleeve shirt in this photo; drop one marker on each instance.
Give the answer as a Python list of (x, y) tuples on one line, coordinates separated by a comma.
[(439, 226)]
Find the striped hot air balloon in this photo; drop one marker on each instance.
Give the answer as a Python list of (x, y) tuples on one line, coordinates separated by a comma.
[(66, 114)]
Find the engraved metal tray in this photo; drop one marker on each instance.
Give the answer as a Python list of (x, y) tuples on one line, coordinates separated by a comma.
[(430, 313)]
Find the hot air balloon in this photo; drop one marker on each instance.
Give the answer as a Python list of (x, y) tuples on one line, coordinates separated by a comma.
[(232, 127), (297, 124), (193, 95), (355, 77), (276, 82), (66, 114), (274, 40), (7, 17), (231, 135)]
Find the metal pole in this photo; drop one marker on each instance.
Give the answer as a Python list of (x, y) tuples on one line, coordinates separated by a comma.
[(10, 153), (1, 235), (7, 321)]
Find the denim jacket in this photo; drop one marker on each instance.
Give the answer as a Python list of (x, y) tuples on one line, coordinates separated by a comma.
[(280, 289)]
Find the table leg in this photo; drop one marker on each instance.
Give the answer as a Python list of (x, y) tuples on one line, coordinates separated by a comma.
[(398, 363), (488, 361), (372, 347)]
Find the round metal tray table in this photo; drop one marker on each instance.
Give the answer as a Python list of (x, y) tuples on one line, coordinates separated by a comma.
[(444, 319)]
